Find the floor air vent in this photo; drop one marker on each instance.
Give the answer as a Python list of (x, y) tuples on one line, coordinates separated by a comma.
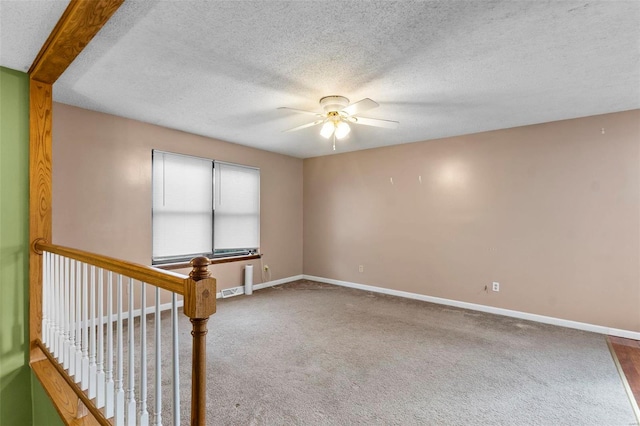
[(228, 292)]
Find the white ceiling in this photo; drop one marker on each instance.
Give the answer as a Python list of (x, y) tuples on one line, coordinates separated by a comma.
[(440, 68)]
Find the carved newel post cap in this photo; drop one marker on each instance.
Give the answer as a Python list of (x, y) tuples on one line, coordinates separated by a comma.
[(199, 271)]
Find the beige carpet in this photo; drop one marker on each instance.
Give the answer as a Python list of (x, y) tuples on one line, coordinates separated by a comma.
[(306, 353)]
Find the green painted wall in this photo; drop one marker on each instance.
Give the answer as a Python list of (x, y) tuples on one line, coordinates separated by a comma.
[(15, 381), (15, 375), (44, 414)]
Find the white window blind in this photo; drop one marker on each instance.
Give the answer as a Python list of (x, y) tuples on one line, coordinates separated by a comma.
[(182, 205), (186, 220), (237, 207)]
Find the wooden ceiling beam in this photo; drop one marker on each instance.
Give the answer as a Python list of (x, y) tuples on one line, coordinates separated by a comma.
[(79, 23)]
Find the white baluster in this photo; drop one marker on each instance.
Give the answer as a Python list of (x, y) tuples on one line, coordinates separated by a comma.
[(78, 315), (72, 318), (67, 322), (176, 363), (109, 387), (60, 307), (53, 312), (61, 346), (157, 415), (56, 306), (119, 357), (144, 413), (92, 336), (131, 399), (52, 302), (100, 361), (45, 298), (84, 384), (61, 310)]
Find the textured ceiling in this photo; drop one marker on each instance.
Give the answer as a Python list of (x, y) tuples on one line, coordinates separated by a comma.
[(24, 27), (222, 68)]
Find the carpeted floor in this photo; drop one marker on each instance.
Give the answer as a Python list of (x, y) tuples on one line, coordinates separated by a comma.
[(306, 353)]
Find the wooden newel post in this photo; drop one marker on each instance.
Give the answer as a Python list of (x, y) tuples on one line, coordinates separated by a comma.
[(199, 304)]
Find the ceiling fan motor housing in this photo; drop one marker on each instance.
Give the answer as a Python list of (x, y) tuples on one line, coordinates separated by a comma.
[(333, 103)]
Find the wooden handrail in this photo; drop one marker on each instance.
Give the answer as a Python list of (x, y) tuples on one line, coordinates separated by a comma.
[(166, 280)]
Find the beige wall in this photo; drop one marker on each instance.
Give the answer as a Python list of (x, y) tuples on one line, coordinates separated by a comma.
[(102, 190), (550, 211)]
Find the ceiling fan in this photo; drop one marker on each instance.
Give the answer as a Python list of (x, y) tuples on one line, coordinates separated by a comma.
[(338, 114)]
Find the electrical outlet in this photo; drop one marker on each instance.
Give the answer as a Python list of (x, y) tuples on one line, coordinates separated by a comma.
[(360, 268), (496, 286)]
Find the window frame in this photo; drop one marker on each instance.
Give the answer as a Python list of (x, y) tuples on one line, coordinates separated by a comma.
[(222, 253)]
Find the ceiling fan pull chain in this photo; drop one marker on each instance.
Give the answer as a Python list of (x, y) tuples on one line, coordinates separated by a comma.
[(334, 141)]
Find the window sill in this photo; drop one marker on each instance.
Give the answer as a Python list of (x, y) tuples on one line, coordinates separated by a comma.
[(214, 261)]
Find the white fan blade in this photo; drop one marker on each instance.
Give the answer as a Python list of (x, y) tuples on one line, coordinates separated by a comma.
[(388, 124), (301, 111), (361, 106), (304, 126)]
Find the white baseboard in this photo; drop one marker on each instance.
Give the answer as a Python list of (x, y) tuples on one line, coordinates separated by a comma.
[(278, 282), (163, 307), (484, 308), (149, 310), (180, 302), (260, 286)]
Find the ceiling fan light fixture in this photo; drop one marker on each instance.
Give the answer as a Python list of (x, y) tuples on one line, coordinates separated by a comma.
[(342, 130), (338, 114), (327, 129)]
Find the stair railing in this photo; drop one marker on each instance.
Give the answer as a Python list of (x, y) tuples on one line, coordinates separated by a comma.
[(95, 330)]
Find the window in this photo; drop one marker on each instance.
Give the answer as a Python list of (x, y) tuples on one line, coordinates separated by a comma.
[(203, 207)]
